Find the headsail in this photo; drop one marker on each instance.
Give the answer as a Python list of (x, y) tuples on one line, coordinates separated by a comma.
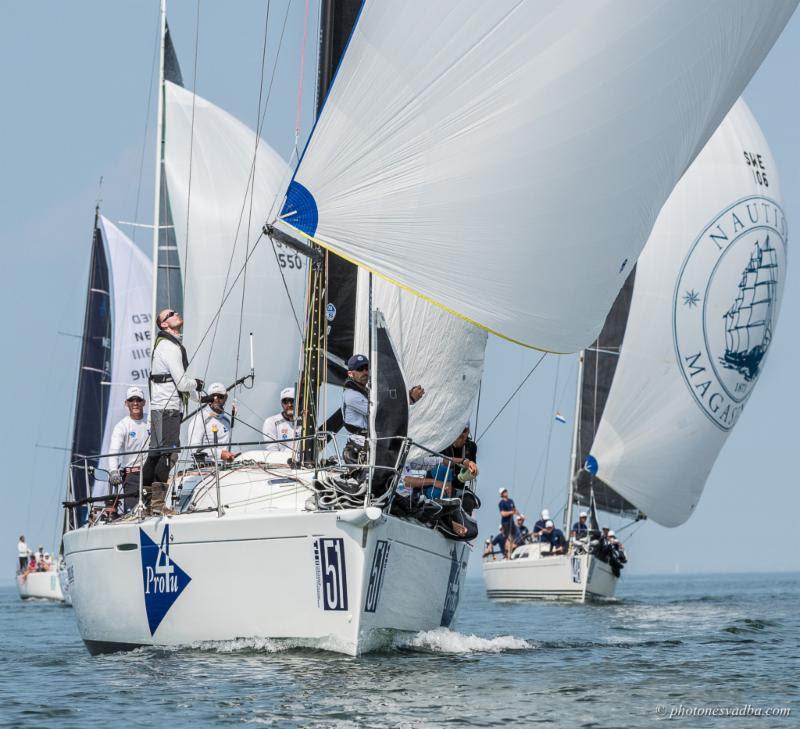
[(705, 302), (531, 144), (222, 231)]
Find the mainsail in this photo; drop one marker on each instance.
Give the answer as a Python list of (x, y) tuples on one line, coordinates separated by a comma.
[(702, 313), (222, 183), (116, 346), (530, 146)]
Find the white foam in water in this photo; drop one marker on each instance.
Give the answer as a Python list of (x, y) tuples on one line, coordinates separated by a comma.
[(443, 640)]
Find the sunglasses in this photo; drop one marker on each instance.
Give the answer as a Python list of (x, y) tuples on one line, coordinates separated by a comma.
[(168, 315), (287, 400), (135, 399), (219, 397), (363, 368)]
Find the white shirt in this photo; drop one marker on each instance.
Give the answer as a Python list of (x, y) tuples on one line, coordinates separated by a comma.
[(23, 550), (129, 435), (201, 430), (167, 361), (278, 428)]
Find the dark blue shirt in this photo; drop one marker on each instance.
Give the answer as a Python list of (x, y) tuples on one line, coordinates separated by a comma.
[(581, 530), (507, 505), (555, 538), (521, 535), (539, 525)]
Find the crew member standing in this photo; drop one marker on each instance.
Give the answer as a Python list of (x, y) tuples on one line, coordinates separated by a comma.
[(23, 552), (130, 436), (282, 426), (170, 391)]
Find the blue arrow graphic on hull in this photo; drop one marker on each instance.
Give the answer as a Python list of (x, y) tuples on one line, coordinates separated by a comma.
[(163, 580)]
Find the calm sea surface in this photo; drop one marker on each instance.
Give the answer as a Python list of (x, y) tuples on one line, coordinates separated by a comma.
[(667, 644)]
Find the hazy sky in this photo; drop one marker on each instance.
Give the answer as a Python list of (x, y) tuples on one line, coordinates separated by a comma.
[(76, 80)]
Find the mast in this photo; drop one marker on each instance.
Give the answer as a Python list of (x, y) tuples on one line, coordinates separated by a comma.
[(162, 20), (575, 430)]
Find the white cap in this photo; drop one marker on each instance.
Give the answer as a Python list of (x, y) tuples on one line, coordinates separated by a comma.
[(287, 392), (548, 523), (611, 533), (134, 392), (500, 491), (217, 388), (545, 514), (582, 515)]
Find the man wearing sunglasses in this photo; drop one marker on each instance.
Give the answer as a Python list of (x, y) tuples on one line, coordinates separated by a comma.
[(355, 406), (211, 426), (131, 435), (283, 426), (170, 390)]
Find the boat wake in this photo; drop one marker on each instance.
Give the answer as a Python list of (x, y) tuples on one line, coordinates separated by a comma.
[(443, 640)]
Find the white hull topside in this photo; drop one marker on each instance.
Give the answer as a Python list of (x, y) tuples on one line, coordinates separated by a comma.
[(551, 577), (40, 585), (344, 580)]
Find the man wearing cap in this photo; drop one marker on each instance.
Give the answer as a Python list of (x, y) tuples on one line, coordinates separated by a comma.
[(523, 534), (554, 537), (355, 406), (507, 512), (170, 390), (130, 436), (580, 528), (282, 426), (538, 527), (211, 425)]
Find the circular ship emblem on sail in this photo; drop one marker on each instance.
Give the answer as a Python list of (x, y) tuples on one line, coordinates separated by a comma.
[(726, 303)]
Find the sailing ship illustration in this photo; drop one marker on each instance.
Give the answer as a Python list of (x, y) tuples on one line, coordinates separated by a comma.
[(748, 323)]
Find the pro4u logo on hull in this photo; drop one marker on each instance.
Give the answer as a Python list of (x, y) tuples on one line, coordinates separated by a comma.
[(331, 573), (163, 580)]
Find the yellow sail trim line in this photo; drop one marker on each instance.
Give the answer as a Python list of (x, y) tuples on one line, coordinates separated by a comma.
[(386, 278)]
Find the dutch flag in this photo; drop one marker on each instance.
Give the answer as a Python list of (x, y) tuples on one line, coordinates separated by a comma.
[(560, 418)]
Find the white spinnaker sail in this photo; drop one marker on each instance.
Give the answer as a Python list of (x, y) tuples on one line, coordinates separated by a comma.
[(439, 351), (681, 380), (531, 144), (222, 228), (131, 280)]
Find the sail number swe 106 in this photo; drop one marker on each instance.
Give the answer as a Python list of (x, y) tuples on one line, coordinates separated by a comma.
[(756, 163)]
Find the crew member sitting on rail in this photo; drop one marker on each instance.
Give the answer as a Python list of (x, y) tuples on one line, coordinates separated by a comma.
[(282, 426), (462, 453), (131, 435), (554, 537), (523, 534), (580, 528), (211, 426)]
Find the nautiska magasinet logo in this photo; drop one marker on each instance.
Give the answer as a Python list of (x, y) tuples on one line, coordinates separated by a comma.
[(163, 580), (726, 303)]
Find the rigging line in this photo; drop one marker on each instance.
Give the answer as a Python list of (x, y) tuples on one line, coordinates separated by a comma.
[(146, 123), (552, 420), (251, 186), (191, 150), (513, 394), (252, 166), (215, 317), (288, 294), (300, 85)]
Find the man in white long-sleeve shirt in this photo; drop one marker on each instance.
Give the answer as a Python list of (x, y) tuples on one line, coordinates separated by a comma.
[(170, 390), (283, 426), (130, 436), (212, 426)]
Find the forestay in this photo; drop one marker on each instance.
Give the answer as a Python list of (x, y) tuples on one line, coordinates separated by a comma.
[(529, 144), (131, 281), (225, 213), (705, 303)]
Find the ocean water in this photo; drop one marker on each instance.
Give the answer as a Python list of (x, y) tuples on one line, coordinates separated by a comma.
[(667, 645)]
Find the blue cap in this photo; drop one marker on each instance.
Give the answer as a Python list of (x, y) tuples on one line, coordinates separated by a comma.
[(356, 361)]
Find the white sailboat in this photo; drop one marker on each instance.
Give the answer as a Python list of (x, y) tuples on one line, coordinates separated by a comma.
[(677, 359), (403, 155)]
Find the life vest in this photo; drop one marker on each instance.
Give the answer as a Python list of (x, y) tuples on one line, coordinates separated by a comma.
[(167, 377)]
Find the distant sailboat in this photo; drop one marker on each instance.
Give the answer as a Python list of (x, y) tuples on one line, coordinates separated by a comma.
[(427, 158), (665, 382)]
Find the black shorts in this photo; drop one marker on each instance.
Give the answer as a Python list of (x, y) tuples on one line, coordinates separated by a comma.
[(508, 530)]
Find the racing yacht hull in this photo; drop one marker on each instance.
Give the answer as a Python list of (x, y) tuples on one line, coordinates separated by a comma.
[(40, 585), (347, 581), (531, 576)]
